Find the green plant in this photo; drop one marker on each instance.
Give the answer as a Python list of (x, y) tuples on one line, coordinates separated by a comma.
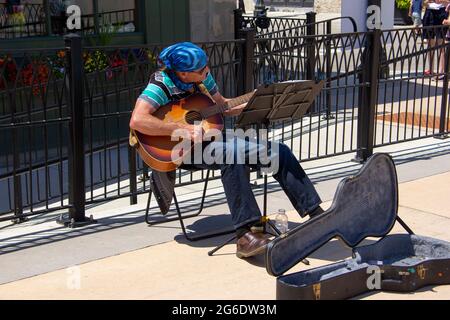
[(106, 33), (403, 4)]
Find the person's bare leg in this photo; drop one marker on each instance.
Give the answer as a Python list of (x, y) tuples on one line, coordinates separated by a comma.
[(441, 57), (431, 44)]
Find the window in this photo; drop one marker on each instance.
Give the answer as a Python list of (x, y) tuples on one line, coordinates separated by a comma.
[(21, 19), (31, 18), (111, 17)]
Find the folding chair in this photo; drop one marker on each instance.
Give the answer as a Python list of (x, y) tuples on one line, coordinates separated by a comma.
[(181, 217)]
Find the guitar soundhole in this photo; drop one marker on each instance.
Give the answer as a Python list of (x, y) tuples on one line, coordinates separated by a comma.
[(193, 116)]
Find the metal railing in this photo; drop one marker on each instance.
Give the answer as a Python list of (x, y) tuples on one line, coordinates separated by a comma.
[(275, 24), (290, 3), (34, 122), (108, 21), (25, 21), (375, 93), (412, 104)]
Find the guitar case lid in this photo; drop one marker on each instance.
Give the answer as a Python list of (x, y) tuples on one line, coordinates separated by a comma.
[(364, 205)]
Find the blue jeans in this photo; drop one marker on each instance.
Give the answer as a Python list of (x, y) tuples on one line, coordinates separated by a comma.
[(241, 201)]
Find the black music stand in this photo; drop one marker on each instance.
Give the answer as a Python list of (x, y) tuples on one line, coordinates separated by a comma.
[(273, 103)]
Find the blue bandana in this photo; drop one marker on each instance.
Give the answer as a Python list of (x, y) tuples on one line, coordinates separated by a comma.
[(183, 57)]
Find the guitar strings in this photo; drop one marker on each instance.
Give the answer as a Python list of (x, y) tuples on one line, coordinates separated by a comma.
[(198, 116)]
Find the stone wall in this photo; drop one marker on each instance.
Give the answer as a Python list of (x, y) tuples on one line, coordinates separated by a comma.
[(212, 20), (328, 6)]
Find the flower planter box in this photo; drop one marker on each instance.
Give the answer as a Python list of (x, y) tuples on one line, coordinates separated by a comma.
[(401, 17)]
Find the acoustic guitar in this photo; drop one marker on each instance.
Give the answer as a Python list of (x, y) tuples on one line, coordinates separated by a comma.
[(156, 151)]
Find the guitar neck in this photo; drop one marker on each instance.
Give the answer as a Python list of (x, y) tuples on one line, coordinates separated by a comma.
[(239, 100), (229, 105)]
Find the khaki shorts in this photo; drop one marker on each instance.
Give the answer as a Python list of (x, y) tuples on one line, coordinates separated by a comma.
[(417, 20)]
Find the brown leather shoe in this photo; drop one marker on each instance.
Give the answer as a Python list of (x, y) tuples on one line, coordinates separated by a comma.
[(252, 244)]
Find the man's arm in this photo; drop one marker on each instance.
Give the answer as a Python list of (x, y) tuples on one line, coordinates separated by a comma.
[(143, 121)]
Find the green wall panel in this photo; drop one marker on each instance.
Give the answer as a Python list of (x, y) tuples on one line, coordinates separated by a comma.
[(167, 21)]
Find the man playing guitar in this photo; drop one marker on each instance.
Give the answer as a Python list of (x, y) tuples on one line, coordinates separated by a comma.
[(184, 71)]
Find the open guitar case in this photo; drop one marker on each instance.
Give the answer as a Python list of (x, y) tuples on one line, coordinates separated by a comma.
[(364, 206)]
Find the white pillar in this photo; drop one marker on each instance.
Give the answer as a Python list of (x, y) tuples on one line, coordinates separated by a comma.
[(358, 10)]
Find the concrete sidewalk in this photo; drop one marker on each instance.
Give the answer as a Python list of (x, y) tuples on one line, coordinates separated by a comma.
[(175, 269)]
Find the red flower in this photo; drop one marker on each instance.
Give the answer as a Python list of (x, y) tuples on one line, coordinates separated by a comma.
[(118, 64), (35, 75), (9, 71)]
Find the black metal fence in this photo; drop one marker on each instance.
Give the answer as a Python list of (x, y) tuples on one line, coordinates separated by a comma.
[(411, 103), (54, 127), (266, 27), (34, 121), (274, 25)]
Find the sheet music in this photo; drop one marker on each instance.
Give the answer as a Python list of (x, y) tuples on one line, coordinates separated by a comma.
[(287, 100)]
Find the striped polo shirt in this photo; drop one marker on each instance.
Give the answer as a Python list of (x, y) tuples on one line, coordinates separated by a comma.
[(161, 90)]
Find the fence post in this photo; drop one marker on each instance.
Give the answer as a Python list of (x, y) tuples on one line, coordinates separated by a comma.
[(328, 115), (368, 95), (245, 78), (96, 18), (48, 21), (443, 130), (74, 83), (18, 205), (310, 50), (17, 182), (238, 22), (133, 174)]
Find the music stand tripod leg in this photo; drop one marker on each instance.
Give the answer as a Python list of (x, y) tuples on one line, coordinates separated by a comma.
[(405, 226), (210, 253)]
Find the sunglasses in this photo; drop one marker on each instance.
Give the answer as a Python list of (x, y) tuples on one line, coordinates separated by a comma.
[(201, 70)]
